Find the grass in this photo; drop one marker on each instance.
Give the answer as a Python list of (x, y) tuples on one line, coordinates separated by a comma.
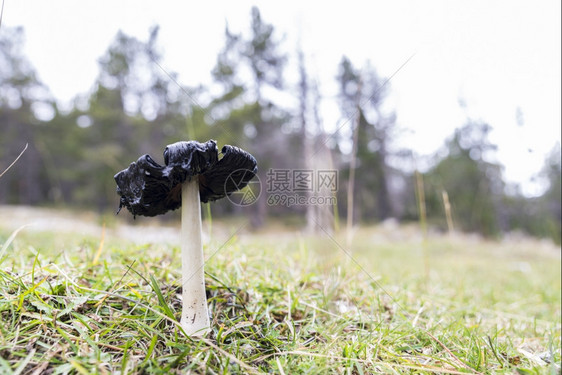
[(281, 303)]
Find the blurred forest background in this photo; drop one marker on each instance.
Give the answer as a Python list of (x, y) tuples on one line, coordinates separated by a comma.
[(137, 107)]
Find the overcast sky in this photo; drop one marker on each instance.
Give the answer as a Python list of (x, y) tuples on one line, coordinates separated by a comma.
[(501, 57)]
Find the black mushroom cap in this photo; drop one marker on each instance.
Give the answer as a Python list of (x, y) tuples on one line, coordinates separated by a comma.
[(149, 189)]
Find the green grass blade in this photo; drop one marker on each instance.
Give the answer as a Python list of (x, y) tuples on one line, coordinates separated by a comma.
[(162, 301), (23, 364), (10, 240)]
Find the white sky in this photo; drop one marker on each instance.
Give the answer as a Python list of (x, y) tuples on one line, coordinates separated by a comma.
[(496, 55)]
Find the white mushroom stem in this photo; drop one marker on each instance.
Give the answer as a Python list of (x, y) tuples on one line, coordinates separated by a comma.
[(195, 313)]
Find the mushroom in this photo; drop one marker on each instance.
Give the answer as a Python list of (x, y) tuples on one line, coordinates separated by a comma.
[(192, 173)]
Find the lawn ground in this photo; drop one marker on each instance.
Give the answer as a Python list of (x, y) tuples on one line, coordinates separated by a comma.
[(78, 297)]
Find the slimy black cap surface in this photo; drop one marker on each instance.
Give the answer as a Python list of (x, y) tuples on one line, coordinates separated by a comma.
[(149, 189)]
